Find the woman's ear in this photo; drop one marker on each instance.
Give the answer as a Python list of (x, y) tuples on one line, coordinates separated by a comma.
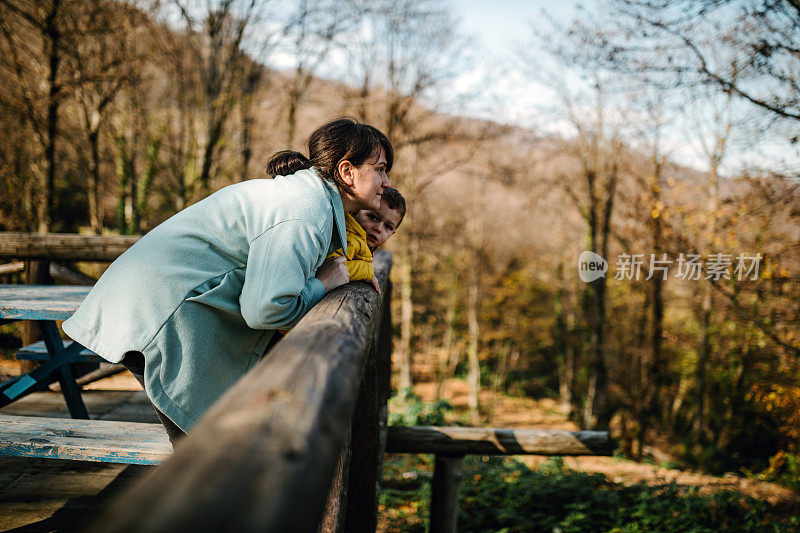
[(346, 169)]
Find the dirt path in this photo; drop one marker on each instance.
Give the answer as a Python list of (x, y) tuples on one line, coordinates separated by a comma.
[(513, 412)]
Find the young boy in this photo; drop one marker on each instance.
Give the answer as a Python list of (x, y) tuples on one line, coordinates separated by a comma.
[(367, 230), (381, 224)]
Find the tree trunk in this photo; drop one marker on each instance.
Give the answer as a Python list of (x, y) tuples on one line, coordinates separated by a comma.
[(650, 381), (565, 374), (704, 341), (53, 101), (246, 151), (596, 413), (213, 134), (474, 369), (656, 363), (445, 370), (570, 363), (132, 207), (153, 147), (704, 349), (406, 319), (95, 207), (291, 118), (186, 149), (122, 191)]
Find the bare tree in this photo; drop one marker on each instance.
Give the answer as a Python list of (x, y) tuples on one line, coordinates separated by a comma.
[(598, 148), (714, 139), (33, 35), (223, 35), (106, 60), (745, 48), (312, 32)]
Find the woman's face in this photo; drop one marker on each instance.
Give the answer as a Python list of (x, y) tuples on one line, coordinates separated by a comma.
[(367, 182)]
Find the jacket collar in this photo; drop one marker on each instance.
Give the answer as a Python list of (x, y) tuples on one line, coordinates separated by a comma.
[(335, 198)]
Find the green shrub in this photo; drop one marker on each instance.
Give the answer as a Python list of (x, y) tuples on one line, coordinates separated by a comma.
[(408, 409), (784, 468), (503, 495)]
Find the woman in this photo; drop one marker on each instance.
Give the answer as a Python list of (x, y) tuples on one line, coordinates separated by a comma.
[(192, 305)]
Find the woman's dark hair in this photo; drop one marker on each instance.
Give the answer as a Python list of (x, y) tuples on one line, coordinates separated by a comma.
[(286, 162), (336, 141)]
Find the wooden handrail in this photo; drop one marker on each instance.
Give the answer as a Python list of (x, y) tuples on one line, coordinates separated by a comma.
[(263, 457), (451, 444), (497, 441), (64, 246)]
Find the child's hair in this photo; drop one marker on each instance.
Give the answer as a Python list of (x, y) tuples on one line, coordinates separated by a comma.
[(338, 140), (395, 201)]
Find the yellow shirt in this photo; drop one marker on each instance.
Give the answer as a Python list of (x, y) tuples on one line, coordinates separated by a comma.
[(359, 257)]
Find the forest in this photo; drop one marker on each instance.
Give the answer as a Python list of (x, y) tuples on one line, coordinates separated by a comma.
[(115, 115)]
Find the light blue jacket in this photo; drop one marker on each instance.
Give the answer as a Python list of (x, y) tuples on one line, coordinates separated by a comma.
[(201, 294)]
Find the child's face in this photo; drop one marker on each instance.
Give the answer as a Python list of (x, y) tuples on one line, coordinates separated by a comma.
[(379, 225)]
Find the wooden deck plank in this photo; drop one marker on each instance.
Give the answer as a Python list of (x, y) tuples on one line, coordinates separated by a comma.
[(40, 302), (84, 440), (46, 495)]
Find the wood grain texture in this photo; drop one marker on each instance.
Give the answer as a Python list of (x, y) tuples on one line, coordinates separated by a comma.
[(263, 457), (495, 441), (66, 246), (40, 302), (84, 440)]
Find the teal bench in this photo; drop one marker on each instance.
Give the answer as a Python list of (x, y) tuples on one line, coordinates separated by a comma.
[(103, 441)]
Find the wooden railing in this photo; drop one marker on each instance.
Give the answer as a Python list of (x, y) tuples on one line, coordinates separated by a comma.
[(451, 444), (64, 246), (263, 458)]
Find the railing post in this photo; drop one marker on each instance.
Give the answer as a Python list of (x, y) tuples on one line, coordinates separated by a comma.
[(384, 359), (353, 501), (447, 473), (368, 434)]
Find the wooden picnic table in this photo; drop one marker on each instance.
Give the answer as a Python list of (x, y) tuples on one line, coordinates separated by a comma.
[(45, 304)]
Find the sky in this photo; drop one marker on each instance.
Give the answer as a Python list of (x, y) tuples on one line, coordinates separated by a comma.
[(501, 23), (497, 29), (507, 94), (499, 86)]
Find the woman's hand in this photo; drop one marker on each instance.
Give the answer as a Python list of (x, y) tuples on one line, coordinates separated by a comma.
[(333, 273), (374, 283)]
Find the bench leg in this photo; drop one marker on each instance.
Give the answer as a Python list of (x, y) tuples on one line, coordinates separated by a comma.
[(69, 388), (46, 373)]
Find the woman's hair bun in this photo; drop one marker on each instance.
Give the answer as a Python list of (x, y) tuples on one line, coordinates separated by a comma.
[(287, 162)]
